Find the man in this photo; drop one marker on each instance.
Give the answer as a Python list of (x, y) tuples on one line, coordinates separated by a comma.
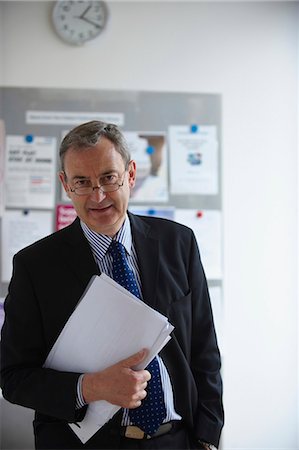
[(49, 278)]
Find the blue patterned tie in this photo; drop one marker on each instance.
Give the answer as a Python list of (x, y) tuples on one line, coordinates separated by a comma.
[(152, 412)]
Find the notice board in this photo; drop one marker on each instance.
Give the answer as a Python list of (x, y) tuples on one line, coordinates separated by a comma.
[(175, 138)]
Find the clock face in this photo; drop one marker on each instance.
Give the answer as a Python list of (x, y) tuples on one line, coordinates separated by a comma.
[(77, 22)]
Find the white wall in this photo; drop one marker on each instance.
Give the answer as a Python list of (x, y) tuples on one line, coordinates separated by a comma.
[(1, 43), (247, 51), (298, 212)]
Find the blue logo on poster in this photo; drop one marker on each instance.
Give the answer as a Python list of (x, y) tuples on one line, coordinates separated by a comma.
[(194, 159)]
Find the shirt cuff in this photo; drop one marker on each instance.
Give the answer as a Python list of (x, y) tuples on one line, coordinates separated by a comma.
[(80, 402), (207, 446)]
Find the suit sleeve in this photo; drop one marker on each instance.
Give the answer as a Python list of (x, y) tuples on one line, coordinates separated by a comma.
[(205, 355), (24, 381)]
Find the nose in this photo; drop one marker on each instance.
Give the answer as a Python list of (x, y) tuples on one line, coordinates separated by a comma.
[(98, 194)]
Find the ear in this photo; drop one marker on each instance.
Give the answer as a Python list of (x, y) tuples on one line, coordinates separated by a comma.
[(132, 173), (64, 183)]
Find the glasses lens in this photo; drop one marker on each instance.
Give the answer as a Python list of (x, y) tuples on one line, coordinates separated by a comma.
[(110, 187), (103, 188), (88, 190), (83, 190)]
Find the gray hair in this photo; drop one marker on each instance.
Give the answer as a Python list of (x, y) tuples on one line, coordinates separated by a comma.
[(88, 135)]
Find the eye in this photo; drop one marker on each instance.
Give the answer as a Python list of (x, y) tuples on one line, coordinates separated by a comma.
[(83, 183), (109, 179)]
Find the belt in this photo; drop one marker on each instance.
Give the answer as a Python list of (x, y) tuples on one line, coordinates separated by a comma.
[(133, 432)]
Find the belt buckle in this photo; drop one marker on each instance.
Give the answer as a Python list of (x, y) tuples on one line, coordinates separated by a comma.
[(133, 432)]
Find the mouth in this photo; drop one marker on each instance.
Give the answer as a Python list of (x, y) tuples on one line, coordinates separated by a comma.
[(100, 209)]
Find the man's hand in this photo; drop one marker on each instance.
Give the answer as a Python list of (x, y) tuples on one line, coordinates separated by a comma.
[(207, 446), (118, 384)]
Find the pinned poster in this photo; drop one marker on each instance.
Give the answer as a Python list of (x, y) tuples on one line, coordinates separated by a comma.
[(63, 195), (206, 225), (2, 159), (65, 215), (148, 149), (19, 229), (72, 118), (193, 159), (166, 212), (30, 171)]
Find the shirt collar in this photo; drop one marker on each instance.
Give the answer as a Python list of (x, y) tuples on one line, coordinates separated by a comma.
[(100, 242)]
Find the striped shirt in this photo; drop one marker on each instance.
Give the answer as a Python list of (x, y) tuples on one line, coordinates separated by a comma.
[(99, 244)]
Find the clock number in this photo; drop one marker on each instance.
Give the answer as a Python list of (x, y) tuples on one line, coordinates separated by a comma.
[(66, 8)]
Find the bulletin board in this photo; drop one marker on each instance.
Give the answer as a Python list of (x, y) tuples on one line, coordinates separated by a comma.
[(174, 137)]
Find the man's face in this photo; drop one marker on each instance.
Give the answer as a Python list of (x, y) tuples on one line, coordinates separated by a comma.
[(102, 212)]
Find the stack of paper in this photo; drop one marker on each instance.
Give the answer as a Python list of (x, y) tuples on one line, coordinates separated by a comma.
[(108, 325)]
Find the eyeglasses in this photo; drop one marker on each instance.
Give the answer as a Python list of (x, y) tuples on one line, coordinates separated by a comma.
[(108, 183)]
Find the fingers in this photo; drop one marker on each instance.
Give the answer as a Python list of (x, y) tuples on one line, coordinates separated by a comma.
[(143, 386), (141, 377), (135, 359), (137, 399), (119, 384)]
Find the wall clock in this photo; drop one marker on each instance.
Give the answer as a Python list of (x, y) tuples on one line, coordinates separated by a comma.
[(77, 22)]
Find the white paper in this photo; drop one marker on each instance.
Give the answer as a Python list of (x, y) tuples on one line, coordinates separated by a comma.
[(2, 165), (206, 225), (19, 229), (149, 152), (119, 320), (193, 160), (72, 118), (30, 172)]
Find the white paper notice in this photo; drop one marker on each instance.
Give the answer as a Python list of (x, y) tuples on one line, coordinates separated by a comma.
[(2, 159), (72, 118), (206, 225), (149, 152), (123, 323), (193, 159), (19, 229), (30, 172)]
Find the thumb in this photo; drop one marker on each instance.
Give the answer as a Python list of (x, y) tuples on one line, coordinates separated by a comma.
[(135, 359)]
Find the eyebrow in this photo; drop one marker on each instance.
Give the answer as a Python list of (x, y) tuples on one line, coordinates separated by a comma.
[(82, 177)]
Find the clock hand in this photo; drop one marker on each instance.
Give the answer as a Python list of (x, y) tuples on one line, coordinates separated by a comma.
[(84, 12), (82, 17), (89, 21)]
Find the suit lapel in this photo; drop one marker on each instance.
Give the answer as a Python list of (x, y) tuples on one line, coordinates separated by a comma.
[(147, 249), (79, 256), (81, 261)]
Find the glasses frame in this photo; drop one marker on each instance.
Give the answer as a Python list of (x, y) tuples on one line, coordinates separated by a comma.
[(115, 186)]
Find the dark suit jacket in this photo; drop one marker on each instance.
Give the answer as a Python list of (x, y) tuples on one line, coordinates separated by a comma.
[(49, 278)]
